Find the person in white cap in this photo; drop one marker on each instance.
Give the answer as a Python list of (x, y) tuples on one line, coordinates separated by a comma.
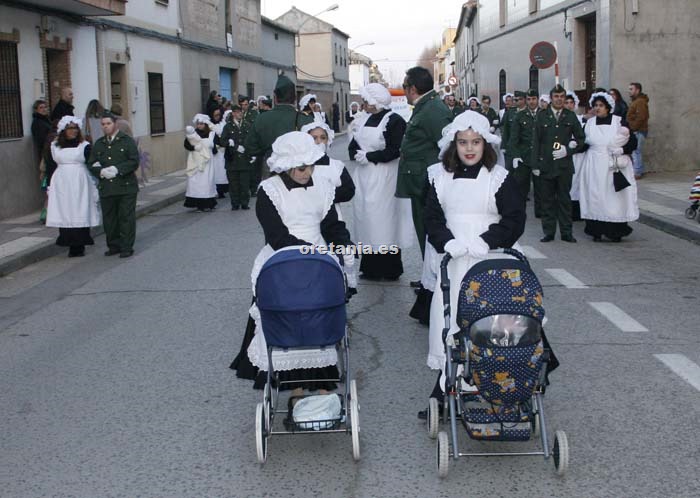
[(473, 206), (294, 208), (571, 102), (380, 218), (219, 163), (473, 104), (320, 115), (306, 105), (545, 100), (201, 185), (73, 204)]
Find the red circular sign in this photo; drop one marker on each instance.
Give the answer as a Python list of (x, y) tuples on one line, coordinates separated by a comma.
[(543, 55)]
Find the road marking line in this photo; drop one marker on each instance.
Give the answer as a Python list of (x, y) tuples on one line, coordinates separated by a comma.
[(619, 318), (18, 245), (566, 279), (683, 367), (533, 253)]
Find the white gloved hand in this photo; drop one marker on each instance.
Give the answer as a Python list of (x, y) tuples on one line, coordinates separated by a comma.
[(615, 151), (478, 248), (189, 130), (253, 159), (536, 172), (559, 153), (231, 143), (494, 122), (516, 162), (361, 157), (109, 172), (241, 149), (573, 144), (455, 248), (492, 129)]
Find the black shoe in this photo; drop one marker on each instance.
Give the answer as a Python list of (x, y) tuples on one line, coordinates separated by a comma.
[(615, 239), (415, 284), (245, 207), (234, 208), (126, 254), (77, 254), (538, 215), (112, 252), (568, 238), (371, 278), (597, 239), (547, 238)]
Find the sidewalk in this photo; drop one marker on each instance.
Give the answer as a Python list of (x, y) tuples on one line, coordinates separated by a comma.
[(663, 199), (24, 240)]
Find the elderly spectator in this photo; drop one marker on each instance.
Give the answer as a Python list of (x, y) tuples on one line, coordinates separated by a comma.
[(638, 119), (64, 107)]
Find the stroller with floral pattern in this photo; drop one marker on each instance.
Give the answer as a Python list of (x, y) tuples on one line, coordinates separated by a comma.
[(301, 298), (692, 210), (497, 364)]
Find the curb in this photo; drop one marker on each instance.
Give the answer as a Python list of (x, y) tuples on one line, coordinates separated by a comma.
[(49, 248), (669, 227)]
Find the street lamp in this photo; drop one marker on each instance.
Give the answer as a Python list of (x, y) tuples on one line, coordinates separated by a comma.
[(362, 45), (335, 6)]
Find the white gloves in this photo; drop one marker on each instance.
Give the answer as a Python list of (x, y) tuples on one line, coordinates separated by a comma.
[(492, 129), (455, 248), (231, 143), (615, 151), (241, 149), (559, 153), (189, 130), (478, 248), (109, 172), (536, 172), (96, 164), (494, 122), (516, 162), (361, 157), (573, 144)]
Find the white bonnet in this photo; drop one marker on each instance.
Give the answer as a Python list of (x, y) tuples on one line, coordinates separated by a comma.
[(354, 103), (66, 120), (608, 98), (467, 120), (573, 96), (292, 150), (506, 96), (376, 95), (304, 101), (227, 113), (545, 97), (202, 118), (476, 99), (319, 124), (261, 97)]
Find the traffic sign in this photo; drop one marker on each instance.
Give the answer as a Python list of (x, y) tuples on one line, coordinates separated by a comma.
[(452, 80), (543, 55)]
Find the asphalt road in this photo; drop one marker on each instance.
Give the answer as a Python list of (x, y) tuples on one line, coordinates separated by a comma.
[(114, 376)]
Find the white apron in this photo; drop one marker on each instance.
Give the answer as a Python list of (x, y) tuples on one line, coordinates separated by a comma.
[(302, 211), (73, 198), (575, 192), (470, 207), (380, 218), (332, 173), (218, 159), (201, 184), (599, 201)]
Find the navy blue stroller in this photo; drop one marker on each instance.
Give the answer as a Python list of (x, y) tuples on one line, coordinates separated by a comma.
[(301, 298), (496, 365)]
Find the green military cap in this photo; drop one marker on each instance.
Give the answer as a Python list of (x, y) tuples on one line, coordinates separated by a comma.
[(557, 89), (519, 94), (532, 93), (283, 83)]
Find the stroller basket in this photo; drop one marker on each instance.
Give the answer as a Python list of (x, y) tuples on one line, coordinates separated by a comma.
[(301, 298)]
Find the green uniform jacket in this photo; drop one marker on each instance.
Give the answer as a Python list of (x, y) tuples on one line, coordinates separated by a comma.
[(272, 124), (521, 131), (419, 147), (235, 161), (121, 153), (546, 132), (457, 110), (247, 121), (491, 115), (507, 124)]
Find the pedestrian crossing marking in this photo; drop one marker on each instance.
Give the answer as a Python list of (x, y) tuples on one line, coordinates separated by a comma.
[(619, 318), (683, 367), (566, 279), (533, 253)]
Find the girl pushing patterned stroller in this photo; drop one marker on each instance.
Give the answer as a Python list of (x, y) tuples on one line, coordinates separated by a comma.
[(692, 211)]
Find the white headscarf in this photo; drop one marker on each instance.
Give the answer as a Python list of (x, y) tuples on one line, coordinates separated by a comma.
[(226, 114), (292, 150), (465, 121), (202, 118), (608, 98), (376, 95), (545, 97), (66, 120), (318, 124), (261, 97), (506, 96), (304, 101), (476, 99), (573, 96)]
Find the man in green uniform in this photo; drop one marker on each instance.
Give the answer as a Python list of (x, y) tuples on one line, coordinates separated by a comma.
[(520, 147), (452, 105), (270, 125), (419, 148), (113, 160), (238, 164), (507, 123), (552, 160)]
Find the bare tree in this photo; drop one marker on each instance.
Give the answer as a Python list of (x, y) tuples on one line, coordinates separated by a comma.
[(427, 57)]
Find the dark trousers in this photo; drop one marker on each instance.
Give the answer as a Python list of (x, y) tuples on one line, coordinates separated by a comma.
[(256, 174), (417, 209), (119, 221), (239, 187), (523, 175), (556, 204), (509, 162)]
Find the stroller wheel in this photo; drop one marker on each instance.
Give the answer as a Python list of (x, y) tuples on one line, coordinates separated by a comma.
[(443, 454), (261, 433), (690, 212), (433, 418), (355, 420), (560, 452)]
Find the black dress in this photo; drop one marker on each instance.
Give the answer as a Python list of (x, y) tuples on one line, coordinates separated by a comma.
[(382, 266), (277, 236), (610, 229)]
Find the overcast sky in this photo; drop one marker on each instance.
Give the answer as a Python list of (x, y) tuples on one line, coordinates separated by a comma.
[(399, 29)]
